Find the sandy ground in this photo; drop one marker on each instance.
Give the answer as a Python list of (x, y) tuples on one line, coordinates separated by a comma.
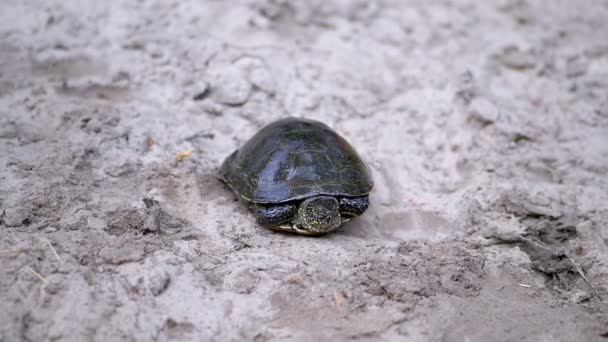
[(485, 124)]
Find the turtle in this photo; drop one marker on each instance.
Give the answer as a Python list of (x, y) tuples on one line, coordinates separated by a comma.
[(300, 176)]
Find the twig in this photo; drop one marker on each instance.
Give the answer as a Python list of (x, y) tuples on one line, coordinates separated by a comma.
[(580, 271), (536, 243), (38, 275), (16, 252), (54, 252)]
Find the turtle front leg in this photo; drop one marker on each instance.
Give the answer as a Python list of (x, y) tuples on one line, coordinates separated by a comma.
[(274, 214), (353, 206)]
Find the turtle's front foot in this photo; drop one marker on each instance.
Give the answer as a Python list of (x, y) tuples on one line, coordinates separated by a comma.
[(274, 214), (353, 206)]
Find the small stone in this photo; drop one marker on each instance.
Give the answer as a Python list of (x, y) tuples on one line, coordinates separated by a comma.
[(201, 91), (159, 281), (259, 21), (580, 296), (231, 88), (244, 281), (53, 287), (74, 219), (122, 221), (50, 230), (483, 110), (261, 78), (292, 279), (122, 252), (514, 58), (212, 108), (151, 224), (14, 217)]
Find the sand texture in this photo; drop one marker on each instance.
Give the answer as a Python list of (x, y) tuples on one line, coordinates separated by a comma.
[(484, 124)]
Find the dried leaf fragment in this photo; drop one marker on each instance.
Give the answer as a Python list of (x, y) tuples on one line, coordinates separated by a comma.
[(183, 155)]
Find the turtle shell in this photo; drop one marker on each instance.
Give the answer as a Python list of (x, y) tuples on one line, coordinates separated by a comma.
[(293, 159)]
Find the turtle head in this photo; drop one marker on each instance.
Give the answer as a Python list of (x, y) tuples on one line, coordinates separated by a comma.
[(318, 215)]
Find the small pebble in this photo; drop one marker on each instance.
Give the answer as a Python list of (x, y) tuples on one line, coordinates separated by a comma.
[(50, 230), (483, 110), (244, 282), (201, 91), (122, 253), (159, 281), (53, 287), (261, 78), (231, 88), (514, 58), (14, 217), (580, 296), (212, 108), (292, 279)]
